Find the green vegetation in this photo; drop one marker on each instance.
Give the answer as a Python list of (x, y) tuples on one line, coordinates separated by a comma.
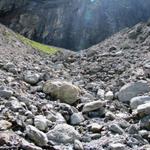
[(41, 47)]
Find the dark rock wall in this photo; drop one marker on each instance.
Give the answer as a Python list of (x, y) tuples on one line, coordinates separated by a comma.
[(72, 24)]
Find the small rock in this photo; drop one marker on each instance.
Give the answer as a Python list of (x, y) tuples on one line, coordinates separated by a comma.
[(63, 133), (5, 93), (91, 106), (5, 125), (95, 127), (132, 129), (76, 118), (109, 95), (41, 122), (31, 78), (116, 129), (144, 109), (131, 90), (78, 145), (36, 135), (10, 67), (101, 93), (145, 123), (65, 91), (117, 146)]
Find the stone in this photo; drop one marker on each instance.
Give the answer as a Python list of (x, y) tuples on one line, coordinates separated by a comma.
[(65, 91), (130, 90), (41, 122), (63, 133), (36, 135), (144, 109), (145, 123), (76, 118), (136, 101), (78, 145), (5, 93), (9, 138), (31, 78), (4, 125), (117, 146), (133, 129), (109, 95), (116, 129), (91, 106), (10, 67), (101, 93), (95, 127)]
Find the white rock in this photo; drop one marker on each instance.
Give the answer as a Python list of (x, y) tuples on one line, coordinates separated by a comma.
[(117, 146), (76, 118), (109, 95), (144, 109), (136, 101), (131, 90), (91, 106)]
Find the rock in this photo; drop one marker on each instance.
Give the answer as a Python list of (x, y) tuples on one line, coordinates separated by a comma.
[(136, 101), (144, 109), (117, 146), (147, 69), (15, 105), (101, 93), (78, 145), (76, 118), (116, 129), (95, 127), (131, 90), (109, 95), (9, 138), (65, 91), (63, 133), (36, 135), (133, 129), (10, 67), (4, 124), (5, 93), (31, 78), (91, 106), (41, 122), (145, 123)]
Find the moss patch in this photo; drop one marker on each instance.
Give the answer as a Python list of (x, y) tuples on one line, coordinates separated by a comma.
[(41, 47)]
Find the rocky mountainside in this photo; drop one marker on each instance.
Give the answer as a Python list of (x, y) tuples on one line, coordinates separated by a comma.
[(98, 99), (72, 24)]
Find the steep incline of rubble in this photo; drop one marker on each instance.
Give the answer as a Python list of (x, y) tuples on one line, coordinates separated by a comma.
[(97, 99)]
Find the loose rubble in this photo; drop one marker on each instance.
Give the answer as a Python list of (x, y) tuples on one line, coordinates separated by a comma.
[(96, 99)]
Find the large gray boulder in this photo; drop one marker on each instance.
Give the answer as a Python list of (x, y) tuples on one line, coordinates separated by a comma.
[(63, 133), (133, 89), (65, 91)]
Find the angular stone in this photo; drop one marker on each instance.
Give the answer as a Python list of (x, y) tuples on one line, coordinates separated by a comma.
[(63, 133), (5, 93), (4, 124), (41, 122), (36, 135), (131, 90), (116, 128), (65, 91), (91, 106), (109, 95), (76, 118)]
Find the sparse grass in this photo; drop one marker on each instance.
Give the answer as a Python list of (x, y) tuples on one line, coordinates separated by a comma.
[(41, 47)]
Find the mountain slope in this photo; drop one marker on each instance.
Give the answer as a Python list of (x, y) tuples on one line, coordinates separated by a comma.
[(72, 24), (73, 100)]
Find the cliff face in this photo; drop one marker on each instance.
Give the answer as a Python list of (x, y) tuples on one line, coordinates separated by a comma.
[(72, 24)]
